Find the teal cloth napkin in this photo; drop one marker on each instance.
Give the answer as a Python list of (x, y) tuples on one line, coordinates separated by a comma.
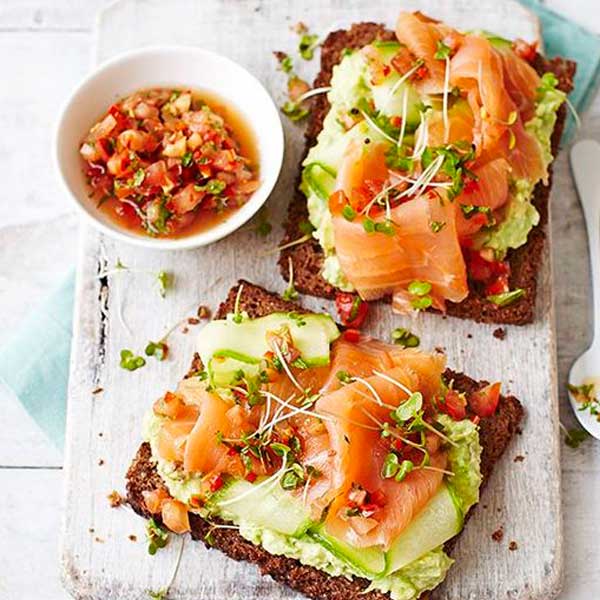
[(565, 38), (35, 364)]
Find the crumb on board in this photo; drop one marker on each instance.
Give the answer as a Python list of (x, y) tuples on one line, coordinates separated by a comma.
[(279, 55), (299, 27), (185, 330), (115, 499), (498, 534), (193, 321), (100, 462), (470, 335), (512, 546), (99, 540), (440, 349), (132, 537), (203, 312), (519, 458), (91, 530), (100, 434), (499, 333), (485, 506), (97, 390)]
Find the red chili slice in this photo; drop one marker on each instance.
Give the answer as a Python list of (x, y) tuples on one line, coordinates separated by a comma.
[(352, 310), (216, 483)]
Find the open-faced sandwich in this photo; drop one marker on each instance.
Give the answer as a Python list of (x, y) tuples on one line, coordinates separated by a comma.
[(428, 168), (341, 465)]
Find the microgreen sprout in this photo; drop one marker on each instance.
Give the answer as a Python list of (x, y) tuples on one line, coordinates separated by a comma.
[(403, 337), (506, 298), (157, 536), (157, 349), (307, 45), (290, 292), (163, 593), (129, 361)]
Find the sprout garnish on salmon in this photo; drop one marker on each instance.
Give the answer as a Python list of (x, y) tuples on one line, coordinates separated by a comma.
[(349, 440), (442, 127)]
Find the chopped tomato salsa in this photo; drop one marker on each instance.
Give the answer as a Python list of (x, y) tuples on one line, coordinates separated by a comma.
[(168, 163)]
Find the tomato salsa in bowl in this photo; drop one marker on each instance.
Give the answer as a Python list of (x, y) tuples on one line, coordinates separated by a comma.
[(170, 165)]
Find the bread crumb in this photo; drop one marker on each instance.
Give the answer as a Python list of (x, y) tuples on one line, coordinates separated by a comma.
[(519, 458), (498, 534), (193, 321), (470, 335), (115, 499), (499, 333), (100, 434), (184, 330), (97, 390), (132, 537), (99, 540), (100, 462), (299, 28), (440, 349), (513, 546), (91, 530)]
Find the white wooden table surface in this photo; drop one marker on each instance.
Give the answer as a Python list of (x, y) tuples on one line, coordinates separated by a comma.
[(45, 48)]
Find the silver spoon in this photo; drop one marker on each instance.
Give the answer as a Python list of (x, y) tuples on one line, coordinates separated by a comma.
[(585, 164)]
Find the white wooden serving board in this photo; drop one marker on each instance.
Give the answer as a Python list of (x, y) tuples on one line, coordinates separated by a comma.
[(524, 497)]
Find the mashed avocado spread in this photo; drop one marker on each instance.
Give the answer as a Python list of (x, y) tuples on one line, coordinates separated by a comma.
[(350, 86), (407, 583)]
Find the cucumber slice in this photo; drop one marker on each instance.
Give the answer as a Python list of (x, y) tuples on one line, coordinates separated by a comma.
[(246, 342), (222, 371), (270, 507), (440, 520), (369, 561)]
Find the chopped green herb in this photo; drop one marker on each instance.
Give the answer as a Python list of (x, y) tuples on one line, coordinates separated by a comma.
[(294, 111), (157, 536), (157, 349), (139, 177), (506, 298), (215, 187), (403, 337), (280, 449), (158, 595), (130, 362), (294, 478), (442, 52), (307, 46), (286, 64), (419, 288), (437, 226), (395, 158), (187, 159), (165, 282), (348, 213)]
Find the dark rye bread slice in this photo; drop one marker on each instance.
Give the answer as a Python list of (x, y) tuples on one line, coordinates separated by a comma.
[(495, 435), (307, 258)]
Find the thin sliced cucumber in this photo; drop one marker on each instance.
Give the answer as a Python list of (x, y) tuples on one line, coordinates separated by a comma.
[(440, 520), (268, 506), (370, 561)]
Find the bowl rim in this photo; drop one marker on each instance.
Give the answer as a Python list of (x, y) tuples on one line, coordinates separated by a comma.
[(199, 239)]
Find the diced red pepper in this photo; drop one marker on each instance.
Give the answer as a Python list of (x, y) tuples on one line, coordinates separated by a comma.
[(484, 402), (352, 310), (352, 336), (369, 508), (497, 286), (470, 185), (421, 72), (216, 483), (396, 121), (251, 477), (454, 405), (525, 50)]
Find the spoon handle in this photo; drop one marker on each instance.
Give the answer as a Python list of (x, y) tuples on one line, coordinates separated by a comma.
[(585, 164)]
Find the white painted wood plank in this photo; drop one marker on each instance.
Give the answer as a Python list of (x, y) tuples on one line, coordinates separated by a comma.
[(533, 572), (583, 12), (44, 15), (31, 503), (30, 100)]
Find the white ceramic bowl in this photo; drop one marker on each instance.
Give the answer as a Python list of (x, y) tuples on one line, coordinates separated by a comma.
[(177, 67)]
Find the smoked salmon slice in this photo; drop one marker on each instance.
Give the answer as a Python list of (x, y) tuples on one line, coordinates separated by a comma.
[(378, 264)]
